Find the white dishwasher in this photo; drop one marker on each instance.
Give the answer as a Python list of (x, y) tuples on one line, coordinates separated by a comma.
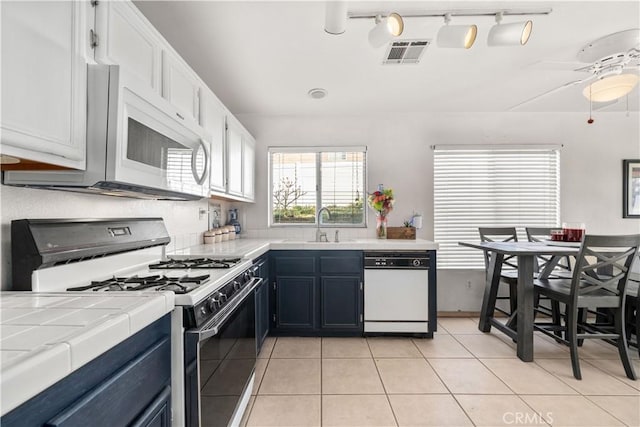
[(397, 293)]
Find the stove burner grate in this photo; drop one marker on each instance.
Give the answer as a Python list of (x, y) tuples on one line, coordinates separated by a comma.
[(179, 285), (194, 263)]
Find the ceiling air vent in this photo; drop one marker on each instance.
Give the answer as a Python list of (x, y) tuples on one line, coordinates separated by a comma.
[(405, 51)]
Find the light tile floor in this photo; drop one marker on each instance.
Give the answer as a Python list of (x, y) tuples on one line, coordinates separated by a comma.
[(461, 377)]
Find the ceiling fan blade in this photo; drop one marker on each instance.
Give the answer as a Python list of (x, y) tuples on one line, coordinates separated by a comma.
[(550, 92)]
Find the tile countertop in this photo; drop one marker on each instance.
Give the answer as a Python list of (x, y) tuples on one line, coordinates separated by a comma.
[(252, 248), (46, 336)]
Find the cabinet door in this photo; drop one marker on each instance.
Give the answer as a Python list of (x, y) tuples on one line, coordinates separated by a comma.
[(340, 302), (248, 167), (234, 158), (127, 39), (180, 86), (295, 302), (44, 81), (158, 413), (212, 118)]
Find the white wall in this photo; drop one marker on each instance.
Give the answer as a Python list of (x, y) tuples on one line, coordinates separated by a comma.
[(399, 157), (182, 219)]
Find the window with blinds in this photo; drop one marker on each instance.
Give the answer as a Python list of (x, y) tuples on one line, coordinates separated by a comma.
[(305, 179), (491, 187)]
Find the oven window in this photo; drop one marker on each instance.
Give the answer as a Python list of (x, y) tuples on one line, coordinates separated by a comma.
[(226, 362)]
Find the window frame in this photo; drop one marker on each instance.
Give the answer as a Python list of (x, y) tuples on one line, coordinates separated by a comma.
[(317, 150)]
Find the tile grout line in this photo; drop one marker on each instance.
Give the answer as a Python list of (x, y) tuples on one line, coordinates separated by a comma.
[(321, 380), (604, 409), (384, 387), (445, 384)]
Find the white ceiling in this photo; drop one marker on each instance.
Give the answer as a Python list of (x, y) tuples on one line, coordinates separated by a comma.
[(262, 57)]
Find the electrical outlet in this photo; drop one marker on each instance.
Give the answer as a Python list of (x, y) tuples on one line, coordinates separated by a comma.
[(202, 213)]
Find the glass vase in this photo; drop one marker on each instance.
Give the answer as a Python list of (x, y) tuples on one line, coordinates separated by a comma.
[(381, 226)]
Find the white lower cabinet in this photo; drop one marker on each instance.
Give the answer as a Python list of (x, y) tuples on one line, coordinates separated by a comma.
[(44, 75)]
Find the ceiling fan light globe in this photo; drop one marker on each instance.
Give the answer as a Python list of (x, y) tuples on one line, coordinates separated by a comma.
[(514, 34), (610, 88), (457, 36)]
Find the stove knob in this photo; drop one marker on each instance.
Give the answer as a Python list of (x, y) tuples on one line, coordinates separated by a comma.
[(246, 276), (214, 303), (221, 297), (236, 285), (416, 263), (203, 310)]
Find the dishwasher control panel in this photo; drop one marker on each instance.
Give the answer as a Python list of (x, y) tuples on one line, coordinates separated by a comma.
[(396, 260)]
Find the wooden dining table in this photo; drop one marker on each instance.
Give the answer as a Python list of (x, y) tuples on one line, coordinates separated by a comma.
[(520, 325)]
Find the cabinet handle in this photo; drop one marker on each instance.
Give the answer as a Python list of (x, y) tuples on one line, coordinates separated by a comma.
[(180, 116), (93, 39)]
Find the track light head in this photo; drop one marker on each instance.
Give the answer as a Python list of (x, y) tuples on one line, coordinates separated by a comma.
[(456, 36), (386, 28), (513, 34), (335, 19)]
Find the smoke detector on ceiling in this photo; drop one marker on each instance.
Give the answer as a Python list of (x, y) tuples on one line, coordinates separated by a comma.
[(405, 51), (317, 93)]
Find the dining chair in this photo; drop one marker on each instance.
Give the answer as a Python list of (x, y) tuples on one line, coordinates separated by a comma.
[(562, 269), (509, 271), (632, 311), (588, 289)]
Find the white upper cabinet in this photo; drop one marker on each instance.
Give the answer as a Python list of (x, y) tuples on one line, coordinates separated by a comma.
[(180, 86), (124, 37), (44, 81), (248, 166), (212, 118), (240, 161), (234, 158)]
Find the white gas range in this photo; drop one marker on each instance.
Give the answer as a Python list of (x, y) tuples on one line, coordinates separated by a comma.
[(213, 325)]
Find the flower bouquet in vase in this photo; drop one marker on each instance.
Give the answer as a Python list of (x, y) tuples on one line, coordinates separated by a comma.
[(381, 201)]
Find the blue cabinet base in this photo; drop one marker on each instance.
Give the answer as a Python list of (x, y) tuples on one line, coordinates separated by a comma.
[(128, 385)]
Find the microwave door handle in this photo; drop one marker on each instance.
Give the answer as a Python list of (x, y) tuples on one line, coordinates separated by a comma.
[(194, 161)]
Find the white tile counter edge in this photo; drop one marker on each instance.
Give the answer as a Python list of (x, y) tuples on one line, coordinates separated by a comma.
[(25, 376), (253, 248)]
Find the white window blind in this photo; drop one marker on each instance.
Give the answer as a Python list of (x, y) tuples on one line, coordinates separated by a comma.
[(491, 187)]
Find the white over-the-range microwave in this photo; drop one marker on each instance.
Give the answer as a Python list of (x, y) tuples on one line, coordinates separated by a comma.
[(138, 145)]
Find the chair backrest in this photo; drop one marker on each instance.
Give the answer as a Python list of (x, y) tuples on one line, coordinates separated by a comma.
[(539, 234), (499, 234), (614, 254)]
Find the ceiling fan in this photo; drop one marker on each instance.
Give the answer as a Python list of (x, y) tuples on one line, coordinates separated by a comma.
[(613, 63)]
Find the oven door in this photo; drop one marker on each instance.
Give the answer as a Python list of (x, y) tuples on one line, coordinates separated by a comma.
[(150, 144), (219, 362)]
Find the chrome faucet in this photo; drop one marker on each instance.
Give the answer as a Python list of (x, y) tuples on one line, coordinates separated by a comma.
[(321, 236)]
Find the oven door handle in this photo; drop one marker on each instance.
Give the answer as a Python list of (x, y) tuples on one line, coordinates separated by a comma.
[(212, 328)]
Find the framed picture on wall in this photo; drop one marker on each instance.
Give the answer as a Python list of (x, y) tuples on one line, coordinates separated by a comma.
[(631, 188)]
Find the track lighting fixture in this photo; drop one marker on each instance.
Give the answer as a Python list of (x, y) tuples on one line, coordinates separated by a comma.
[(516, 33), (610, 87), (390, 25), (386, 28), (456, 36), (335, 20)]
